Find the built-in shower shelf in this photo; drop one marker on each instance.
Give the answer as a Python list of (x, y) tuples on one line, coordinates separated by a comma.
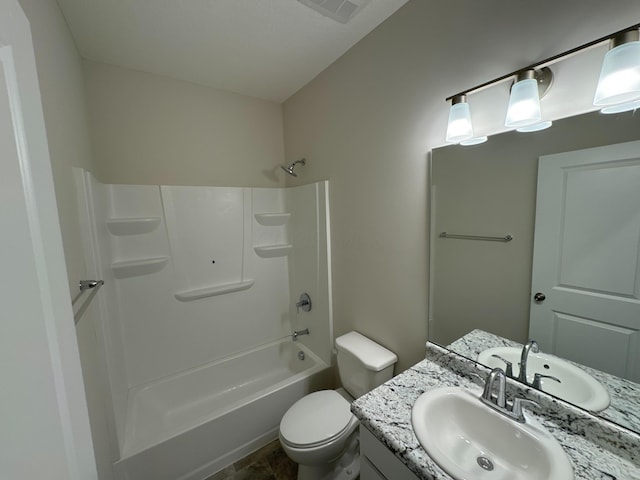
[(272, 219), (269, 251), (132, 226), (190, 295), (138, 267)]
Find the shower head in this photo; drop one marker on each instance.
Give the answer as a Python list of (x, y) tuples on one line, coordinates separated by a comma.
[(289, 168)]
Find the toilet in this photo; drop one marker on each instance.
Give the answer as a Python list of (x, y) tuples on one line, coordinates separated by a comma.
[(319, 432)]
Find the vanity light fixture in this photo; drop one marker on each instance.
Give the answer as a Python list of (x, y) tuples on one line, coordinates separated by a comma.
[(524, 102), (619, 80), (459, 127), (618, 88)]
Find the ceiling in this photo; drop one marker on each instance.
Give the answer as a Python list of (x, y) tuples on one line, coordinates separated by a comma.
[(262, 48)]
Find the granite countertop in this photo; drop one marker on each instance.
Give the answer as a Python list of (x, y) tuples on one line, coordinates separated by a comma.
[(625, 394), (597, 449)]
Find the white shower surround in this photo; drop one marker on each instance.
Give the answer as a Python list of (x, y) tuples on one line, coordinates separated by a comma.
[(151, 335)]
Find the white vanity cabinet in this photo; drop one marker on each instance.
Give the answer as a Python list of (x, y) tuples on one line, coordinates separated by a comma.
[(377, 462)]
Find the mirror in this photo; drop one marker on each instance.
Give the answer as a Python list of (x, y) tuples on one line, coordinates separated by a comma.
[(486, 285)]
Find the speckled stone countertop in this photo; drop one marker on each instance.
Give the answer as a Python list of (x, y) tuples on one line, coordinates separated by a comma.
[(597, 449), (625, 394)]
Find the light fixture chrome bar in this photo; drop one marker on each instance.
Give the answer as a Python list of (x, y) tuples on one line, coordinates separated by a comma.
[(546, 61), (84, 285), (624, 37), (506, 238)]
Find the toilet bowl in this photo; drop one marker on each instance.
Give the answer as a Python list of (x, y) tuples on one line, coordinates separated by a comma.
[(319, 432)]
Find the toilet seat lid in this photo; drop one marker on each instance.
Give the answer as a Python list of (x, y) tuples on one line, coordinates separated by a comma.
[(316, 419)]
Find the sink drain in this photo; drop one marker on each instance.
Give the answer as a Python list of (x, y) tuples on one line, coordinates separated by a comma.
[(485, 463)]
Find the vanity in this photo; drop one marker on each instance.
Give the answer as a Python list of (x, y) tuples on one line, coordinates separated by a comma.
[(535, 238), (496, 265), (595, 448)]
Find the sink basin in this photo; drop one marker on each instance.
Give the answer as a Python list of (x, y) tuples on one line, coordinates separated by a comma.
[(577, 386), (469, 440)]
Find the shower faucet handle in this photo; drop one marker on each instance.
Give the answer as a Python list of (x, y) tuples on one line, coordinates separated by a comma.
[(304, 303)]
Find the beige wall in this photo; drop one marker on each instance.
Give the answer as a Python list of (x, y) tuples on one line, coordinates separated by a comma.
[(490, 189), (63, 100), (367, 122), (148, 129)]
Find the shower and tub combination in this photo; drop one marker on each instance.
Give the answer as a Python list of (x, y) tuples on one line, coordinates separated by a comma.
[(205, 317)]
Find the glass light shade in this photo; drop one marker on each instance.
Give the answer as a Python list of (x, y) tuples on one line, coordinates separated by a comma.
[(620, 76), (459, 127), (536, 127), (621, 107), (473, 141), (524, 104)]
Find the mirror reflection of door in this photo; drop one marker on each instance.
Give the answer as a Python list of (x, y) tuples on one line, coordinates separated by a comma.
[(586, 258)]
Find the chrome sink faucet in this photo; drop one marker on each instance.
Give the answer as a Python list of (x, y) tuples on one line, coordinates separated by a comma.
[(498, 401), (531, 346)]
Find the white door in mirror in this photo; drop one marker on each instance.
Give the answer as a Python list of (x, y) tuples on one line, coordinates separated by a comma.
[(469, 440), (586, 258)]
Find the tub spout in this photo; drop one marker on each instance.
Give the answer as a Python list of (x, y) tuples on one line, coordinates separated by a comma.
[(297, 333)]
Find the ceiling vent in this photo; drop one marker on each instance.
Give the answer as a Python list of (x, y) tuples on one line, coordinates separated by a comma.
[(340, 10)]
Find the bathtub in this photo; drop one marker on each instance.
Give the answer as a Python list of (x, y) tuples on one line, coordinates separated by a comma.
[(192, 424)]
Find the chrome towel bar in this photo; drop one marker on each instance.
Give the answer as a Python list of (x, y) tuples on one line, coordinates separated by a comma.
[(84, 285), (506, 238)]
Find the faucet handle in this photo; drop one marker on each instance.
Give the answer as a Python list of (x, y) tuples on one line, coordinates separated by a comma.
[(304, 303), (509, 365), (539, 376), (517, 411)]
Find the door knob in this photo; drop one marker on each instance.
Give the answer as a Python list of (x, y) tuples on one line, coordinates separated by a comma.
[(539, 297)]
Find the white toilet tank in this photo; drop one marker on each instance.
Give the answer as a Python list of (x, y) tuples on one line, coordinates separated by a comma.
[(362, 363)]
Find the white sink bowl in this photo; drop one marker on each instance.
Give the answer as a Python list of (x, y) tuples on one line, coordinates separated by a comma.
[(461, 434), (577, 386)]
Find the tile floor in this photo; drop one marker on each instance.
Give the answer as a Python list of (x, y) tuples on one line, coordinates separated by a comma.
[(268, 463)]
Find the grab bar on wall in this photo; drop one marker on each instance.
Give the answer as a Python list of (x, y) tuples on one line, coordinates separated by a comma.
[(84, 285), (506, 238)]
